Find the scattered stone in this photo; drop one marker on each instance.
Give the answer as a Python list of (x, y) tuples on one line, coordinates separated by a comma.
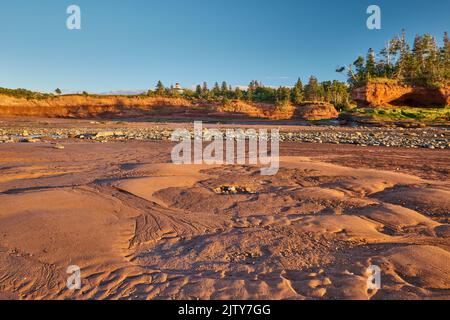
[(233, 190), (104, 134), (432, 138)]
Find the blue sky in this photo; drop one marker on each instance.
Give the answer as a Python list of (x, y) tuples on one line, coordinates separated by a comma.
[(129, 45)]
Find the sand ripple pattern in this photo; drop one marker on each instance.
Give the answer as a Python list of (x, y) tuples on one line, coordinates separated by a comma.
[(152, 230)]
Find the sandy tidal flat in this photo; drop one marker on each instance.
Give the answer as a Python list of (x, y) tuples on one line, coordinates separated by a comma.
[(140, 227)]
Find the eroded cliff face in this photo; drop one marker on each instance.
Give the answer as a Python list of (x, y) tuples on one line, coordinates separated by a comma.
[(79, 106), (317, 111), (89, 106), (385, 95)]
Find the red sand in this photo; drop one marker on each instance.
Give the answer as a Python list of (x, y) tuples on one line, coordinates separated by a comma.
[(142, 228)]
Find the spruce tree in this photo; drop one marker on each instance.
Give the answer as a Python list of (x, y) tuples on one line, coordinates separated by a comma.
[(297, 94), (238, 93), (251, 90), (215, 92), (205, 87), (370, 64), (224, 87), (198, 91), (283, 96), (160, 89), (445, 60), (313, 90)]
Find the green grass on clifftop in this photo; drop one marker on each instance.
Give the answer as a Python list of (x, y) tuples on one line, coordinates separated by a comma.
[(24, 94), (425, 115)]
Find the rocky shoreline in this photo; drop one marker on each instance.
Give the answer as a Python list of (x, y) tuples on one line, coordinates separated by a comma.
[(431, 138)]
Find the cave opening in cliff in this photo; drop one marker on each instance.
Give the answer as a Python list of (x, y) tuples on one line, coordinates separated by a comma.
[(431, 99)]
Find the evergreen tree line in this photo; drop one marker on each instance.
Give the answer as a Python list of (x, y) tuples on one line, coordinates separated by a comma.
[(335, 92), (423, 64)]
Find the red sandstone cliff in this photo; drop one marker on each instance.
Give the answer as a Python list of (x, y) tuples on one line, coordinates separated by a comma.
[(80, 106), (386, 94), (316, 111)]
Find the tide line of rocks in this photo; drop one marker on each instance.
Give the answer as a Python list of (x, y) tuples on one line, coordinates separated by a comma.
[(431, 138)]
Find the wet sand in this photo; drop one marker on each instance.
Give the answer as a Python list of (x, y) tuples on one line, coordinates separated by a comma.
[(140, 227)]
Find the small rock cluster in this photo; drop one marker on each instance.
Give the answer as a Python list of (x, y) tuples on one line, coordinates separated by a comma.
[(233, 190)]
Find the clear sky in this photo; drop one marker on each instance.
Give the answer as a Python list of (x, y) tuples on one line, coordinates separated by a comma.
[(129, 45)]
